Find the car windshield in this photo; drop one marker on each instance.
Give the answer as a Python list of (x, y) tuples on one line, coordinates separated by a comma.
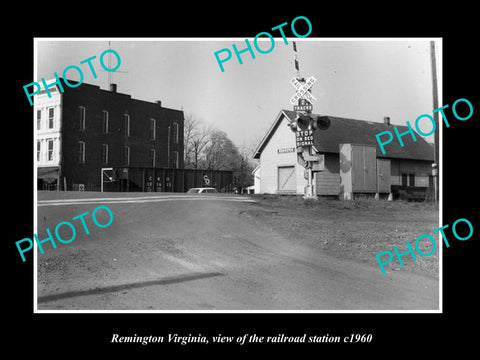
[(193, 191)]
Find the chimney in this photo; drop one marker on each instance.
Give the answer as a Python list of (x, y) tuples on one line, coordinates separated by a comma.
[(159, 102), (386, 120), (113, 88)]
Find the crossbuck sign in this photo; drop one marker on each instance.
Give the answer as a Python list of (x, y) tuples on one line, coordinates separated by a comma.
[(302, 90)]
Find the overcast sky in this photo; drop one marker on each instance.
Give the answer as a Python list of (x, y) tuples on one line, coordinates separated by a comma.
[(361, 79)]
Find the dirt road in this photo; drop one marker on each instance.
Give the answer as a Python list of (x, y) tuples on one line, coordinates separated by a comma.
[(207, 254)]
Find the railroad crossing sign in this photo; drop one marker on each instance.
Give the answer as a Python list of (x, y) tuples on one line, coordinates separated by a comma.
[(303, 106), (304, 138), (107, 176), (302, 90)]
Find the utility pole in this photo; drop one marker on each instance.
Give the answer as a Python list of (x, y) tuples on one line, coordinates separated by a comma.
[(110, 75), (309, 191), (304, 125)]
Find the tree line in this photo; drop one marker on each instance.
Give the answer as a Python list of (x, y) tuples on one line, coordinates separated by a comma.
[(208, 148)]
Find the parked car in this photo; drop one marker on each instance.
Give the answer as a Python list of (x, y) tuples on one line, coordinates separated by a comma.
[(202, 191)]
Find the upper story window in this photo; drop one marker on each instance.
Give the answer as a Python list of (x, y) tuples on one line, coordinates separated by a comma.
[(50, 150), (81, 152), (126, 120), (175, 133), (81, 118), (175, 159), (39, 119), (39, 147), (152, 129), (105, 122), (152, 157), (104, 153), (51, 113), (126, 155)]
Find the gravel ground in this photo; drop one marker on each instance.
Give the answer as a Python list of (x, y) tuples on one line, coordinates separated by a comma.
[(356, 230), (277, 253)]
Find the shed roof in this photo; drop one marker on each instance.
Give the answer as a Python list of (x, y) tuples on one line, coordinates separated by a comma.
[(351, 131)]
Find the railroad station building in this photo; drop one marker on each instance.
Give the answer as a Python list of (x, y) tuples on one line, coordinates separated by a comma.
[(85, 129), (351, 161)]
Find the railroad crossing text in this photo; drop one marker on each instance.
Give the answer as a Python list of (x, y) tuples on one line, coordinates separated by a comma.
[(304, 138)]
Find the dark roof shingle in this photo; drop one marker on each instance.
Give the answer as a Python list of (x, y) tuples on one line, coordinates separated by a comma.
[(350, 131)]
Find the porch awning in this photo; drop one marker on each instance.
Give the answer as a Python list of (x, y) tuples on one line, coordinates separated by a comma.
[(49, 172)]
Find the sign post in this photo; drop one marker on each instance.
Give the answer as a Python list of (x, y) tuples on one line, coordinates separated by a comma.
[(304, 125), (302, 104), (104, 175)]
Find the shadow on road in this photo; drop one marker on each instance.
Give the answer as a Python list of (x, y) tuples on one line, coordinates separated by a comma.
[(114, 288)]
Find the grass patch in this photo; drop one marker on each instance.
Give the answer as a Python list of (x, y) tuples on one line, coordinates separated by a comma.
[(365, 202)]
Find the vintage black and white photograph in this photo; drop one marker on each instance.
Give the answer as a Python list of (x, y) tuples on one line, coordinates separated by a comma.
[(268, 174)]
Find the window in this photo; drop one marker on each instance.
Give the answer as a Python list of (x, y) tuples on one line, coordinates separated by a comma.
[(51, 113), (175, 159), (408, 179), (104, 153), (126, 155), (105, 122), (152, 129), (126, 120), (39, 146), (152, 157), (50, 150), (81, 152), (411, 179), (175, 133), (39, 119), (81, 119)]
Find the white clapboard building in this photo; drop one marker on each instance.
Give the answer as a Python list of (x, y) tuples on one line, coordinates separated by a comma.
[(48, 112)]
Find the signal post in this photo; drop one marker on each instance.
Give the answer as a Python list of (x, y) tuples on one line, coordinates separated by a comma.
[(303, 126)]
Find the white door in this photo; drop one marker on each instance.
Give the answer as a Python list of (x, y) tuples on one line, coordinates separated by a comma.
[(287, 179)]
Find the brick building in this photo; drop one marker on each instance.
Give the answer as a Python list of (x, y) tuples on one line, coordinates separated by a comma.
[(85, 129)]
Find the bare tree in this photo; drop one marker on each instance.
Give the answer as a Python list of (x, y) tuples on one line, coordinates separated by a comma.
[(221, 153), (208, 148), (196, 138), (189, 126), (247, 150)]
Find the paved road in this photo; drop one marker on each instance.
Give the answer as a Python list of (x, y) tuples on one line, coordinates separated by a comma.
[(177, 253)]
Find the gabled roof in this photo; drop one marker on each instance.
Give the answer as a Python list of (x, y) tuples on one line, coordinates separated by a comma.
[(351, 131)]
